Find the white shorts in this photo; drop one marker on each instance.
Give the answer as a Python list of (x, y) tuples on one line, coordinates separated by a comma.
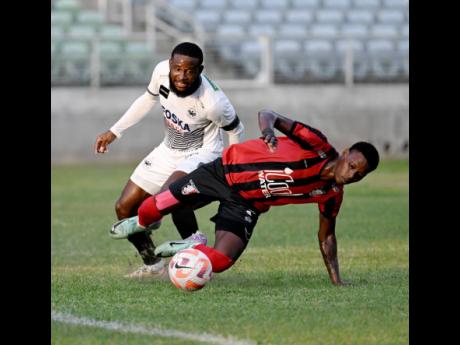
[(153, 171)]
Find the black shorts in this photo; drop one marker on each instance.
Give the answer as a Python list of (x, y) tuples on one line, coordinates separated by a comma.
[(206, 184)]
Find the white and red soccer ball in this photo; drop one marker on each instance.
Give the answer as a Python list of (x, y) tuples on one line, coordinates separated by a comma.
[(190, 269)]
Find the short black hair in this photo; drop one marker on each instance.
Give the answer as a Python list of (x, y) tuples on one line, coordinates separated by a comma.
[(188, 49), (369, 152)]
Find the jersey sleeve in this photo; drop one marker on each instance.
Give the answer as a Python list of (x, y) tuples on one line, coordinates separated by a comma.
[(312, 139), (223, 114), (330, 208), (154, 86)]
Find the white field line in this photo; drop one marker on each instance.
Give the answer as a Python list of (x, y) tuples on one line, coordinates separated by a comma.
[(137, 329)]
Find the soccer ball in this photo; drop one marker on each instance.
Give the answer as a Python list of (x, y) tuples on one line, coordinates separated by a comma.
[(190, 269)]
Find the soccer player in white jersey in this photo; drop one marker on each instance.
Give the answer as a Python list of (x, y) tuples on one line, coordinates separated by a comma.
[(195, 112)]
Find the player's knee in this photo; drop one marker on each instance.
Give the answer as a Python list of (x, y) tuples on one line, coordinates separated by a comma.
[(122, 210)]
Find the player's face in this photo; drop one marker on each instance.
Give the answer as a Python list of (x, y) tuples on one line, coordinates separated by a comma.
[(351, 167), (184, 70)]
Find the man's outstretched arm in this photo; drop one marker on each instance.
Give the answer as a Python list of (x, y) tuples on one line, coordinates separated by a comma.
[(328, 247)]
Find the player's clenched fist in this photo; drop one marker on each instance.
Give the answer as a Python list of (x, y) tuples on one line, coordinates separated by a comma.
[(102, 141)]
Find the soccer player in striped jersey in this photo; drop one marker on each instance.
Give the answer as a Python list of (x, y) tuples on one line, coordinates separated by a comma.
[(196, 112), (301, 167)]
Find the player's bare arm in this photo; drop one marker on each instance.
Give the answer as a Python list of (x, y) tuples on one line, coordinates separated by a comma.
[(103, 140), (328, 247), (268, 121)]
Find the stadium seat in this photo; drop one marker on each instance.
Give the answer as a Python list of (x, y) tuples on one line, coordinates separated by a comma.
[(321, 61), (360, 16), (62, 18), (271, 17), (329, 16), (371, 4), (292, 30), (390, 17), (230, 29), (111, 63), (298, 17), (72, 6), (57, 32), (112, 32), (403, 47), (311, 4), (324, 31), (73, 63), (244, 4), (400, 4), (185, 5), (354, 30), (92, 18), (337, 4), (139, 61), (384, 31), (250, 57), (210, 19), (342, 46), (405, 30), (274, 4), (288, 66), (380, 46), (237, 17), (261, 29), (81, 32), (213, 4)]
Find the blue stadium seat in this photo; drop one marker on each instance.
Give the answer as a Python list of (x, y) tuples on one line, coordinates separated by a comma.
[(322, 63), (274, 4), (57, 32), (230, 29), (237, 17), (292, 30), (244, 4), (371, 4), (62, 18), (112, 32), (400, 4), (384, 31), (111, 63), (251, 51), (268, 17), (73, 63), (85, 32), (403, 46), (380, 47), (354, 30), (92, 18), (337, 4), (213, 4), (342, 46), (405, 30), (287, 64), (67, 5), (185, 5), (324, 31), (299, 16), (318, 47), (390, 17), (210, 19), (262, 29), (305, 3), (138, 62), (329, 16), (360, 16)]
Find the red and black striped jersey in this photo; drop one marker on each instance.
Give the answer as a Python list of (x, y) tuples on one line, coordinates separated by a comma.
[(290, 175)]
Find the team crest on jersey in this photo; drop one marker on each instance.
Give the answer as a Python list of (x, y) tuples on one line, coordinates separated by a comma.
[(147, 162), (192, 112), (316, 192), (189, 188)]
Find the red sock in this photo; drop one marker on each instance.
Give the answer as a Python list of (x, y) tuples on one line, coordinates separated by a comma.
[(148, 212), (220, 262)]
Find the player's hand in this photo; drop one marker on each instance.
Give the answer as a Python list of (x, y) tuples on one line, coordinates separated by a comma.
[(270, 139), (102, 141)]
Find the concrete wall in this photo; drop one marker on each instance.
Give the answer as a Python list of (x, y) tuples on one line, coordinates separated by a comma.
[(377, 113)]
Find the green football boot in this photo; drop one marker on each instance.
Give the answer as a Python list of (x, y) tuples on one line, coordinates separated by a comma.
[(169, 248), (128, 226)]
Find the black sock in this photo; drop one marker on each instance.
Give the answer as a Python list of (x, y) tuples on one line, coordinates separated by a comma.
[(145, 247), (185, 221)]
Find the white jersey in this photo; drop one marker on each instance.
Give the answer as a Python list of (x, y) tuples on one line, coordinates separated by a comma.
[(193, 127), (194, 121)]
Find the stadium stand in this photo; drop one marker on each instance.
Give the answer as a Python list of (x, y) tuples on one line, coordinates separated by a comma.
[(310, 39)]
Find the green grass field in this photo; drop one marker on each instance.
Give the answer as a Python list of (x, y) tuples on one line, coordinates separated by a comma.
[(277, 293)]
